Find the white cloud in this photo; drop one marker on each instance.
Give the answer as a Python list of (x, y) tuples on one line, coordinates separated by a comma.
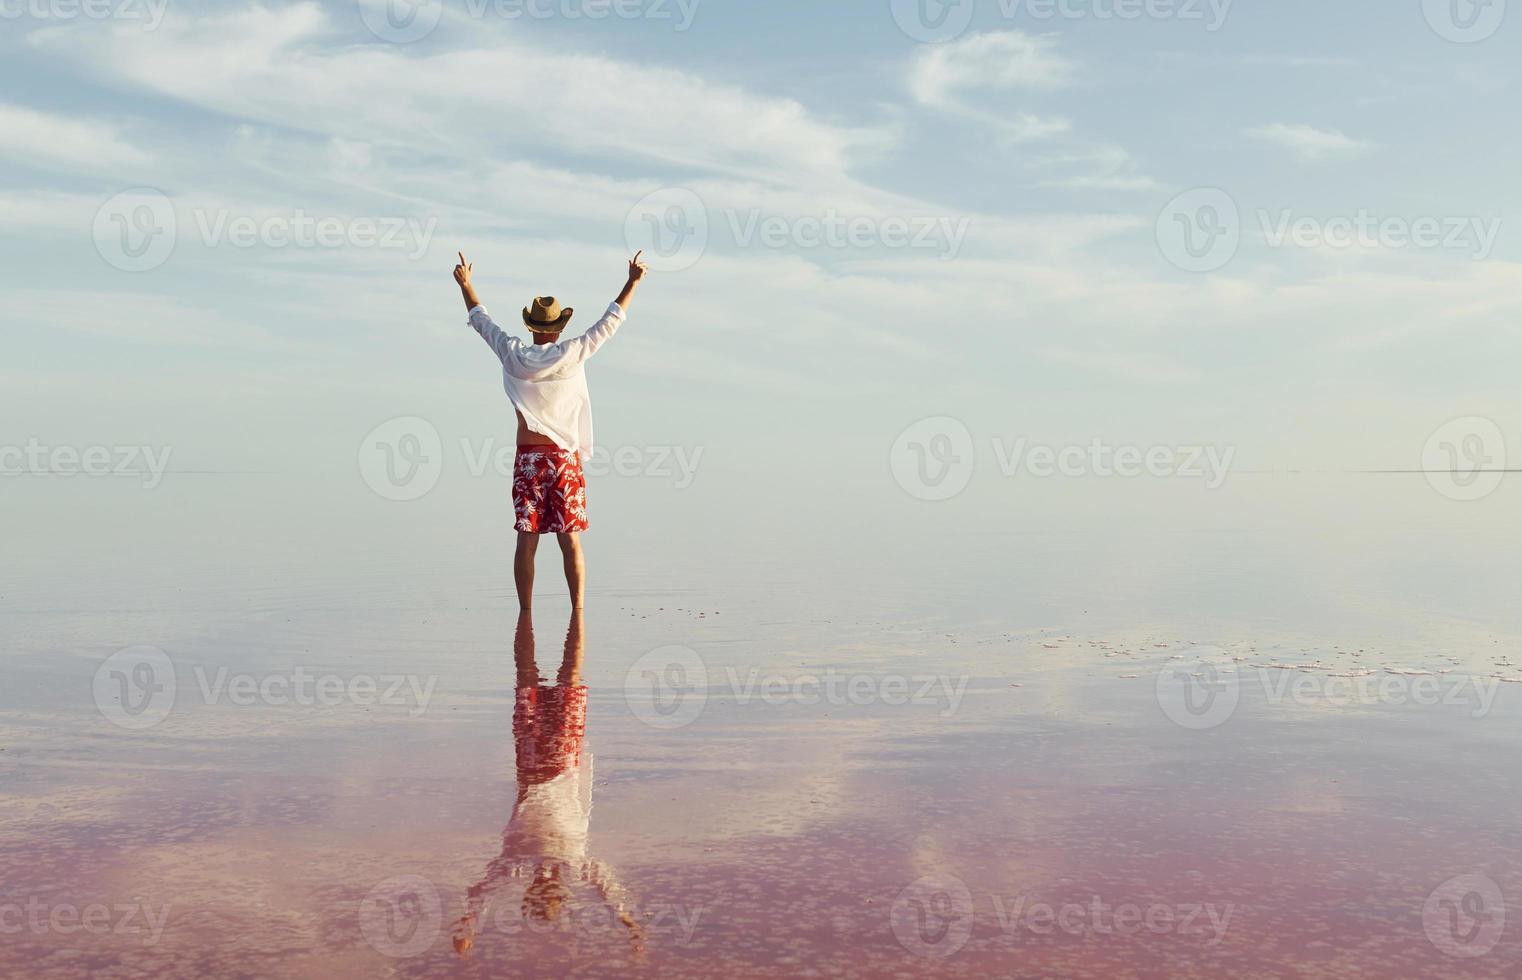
[(1309, 143), (40, 137), (266, 64), (1131, 366), (1109, 168), (1000, 61)]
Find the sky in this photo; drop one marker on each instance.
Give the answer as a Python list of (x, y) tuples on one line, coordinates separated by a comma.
[(1280, 231)]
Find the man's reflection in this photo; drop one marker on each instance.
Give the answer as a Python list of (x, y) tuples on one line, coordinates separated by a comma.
[(545, 841)]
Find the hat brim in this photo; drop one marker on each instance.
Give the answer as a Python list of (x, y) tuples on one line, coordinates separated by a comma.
[(548, 326)]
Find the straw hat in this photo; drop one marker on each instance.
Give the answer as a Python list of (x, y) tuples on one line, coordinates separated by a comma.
[(546, 316)]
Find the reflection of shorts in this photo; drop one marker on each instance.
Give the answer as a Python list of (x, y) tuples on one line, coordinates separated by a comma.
[(549, 491), (549, 724)]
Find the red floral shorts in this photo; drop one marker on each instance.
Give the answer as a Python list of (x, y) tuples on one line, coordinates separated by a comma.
[(549, 491), (549, 724)]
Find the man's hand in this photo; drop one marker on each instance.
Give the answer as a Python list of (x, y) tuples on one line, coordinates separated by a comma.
[(637, 270), (462, 276)]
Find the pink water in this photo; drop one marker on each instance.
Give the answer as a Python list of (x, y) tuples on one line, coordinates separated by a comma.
[(746, 769)]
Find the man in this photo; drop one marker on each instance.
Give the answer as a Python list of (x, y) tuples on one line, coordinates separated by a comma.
[(548, 389), (545, 842)]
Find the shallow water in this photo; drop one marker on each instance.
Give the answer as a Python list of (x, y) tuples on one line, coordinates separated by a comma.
[(1112, 730)]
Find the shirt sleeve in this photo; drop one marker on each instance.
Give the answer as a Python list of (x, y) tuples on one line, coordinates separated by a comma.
[(578, 349), (499, 340)]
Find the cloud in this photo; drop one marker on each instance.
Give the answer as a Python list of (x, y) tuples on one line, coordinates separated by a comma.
[(283, 67), (39, 137), (1108, 168), (1308, 143), (942, 74), (1131, 366)]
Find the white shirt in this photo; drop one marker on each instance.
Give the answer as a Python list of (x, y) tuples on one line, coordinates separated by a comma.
[(546, 382), (551, 819)]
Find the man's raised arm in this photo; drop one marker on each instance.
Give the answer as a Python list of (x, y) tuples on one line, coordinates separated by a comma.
[(499, 341), (637, 270), (578, 349)]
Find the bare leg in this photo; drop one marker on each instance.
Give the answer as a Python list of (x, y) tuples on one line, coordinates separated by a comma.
[(575, 648), (575, 566), (523, 568)]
